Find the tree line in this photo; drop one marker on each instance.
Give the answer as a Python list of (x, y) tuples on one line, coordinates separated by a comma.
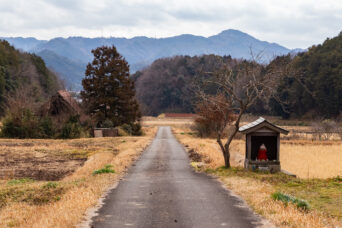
[(316, 89), (166, 86), (319, 91), (107, 99)]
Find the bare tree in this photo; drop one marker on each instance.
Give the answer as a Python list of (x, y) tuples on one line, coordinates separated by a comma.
[(242, 83), (21, 99), (214, 115)]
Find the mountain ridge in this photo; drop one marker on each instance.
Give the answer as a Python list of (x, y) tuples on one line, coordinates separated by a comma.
[(141, 51)]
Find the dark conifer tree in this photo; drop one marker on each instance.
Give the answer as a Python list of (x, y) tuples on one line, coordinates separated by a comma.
[(108, 92)]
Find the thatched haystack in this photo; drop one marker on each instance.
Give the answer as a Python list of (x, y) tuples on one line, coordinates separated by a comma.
[(61, 106)]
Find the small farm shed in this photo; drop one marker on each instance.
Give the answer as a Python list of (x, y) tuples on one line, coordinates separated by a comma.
[(262, 135), (60, 106)]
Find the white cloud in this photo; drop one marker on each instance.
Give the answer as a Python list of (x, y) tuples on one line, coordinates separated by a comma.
[(292, 23)]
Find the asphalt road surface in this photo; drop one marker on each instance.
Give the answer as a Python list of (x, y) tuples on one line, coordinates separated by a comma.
[(162, 190)]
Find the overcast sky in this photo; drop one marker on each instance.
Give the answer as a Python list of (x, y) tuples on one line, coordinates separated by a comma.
[(291, 23)]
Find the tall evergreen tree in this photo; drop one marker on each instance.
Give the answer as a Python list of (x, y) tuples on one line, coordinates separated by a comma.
[(108, 92)]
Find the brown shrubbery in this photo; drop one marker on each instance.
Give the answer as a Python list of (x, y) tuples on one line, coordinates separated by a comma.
[(213, 115), (325, 129), (25, 124), (23, 120)]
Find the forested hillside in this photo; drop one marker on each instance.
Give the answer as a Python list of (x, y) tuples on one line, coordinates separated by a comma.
[(319, 93), (24, 73), (312, 89), (166, 86)]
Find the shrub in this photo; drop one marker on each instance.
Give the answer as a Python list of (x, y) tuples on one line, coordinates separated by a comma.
[(106, 169), (107, 123), (301, 204), (27, 125), (338, 179), (324, 128), (132, 129), (127, 128), (21, 125), (203, 130), (122, 132), (21, 121), (72, 128), (136, 129), (47, 127), (50, 185)]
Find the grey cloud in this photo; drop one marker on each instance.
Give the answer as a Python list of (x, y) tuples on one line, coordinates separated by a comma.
[(291, 23)]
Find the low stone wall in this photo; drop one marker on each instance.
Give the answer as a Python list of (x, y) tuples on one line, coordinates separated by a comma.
[(105, 132)]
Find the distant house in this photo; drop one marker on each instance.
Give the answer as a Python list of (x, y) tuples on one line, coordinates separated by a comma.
[(61, 106)]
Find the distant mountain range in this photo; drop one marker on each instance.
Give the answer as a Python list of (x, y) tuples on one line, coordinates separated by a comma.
[(68, 56)]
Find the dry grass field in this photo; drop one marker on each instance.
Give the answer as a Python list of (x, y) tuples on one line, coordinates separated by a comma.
[(50, 183), (37, 202), (150, 121), (307, 159), (316, 163), (324, 197)]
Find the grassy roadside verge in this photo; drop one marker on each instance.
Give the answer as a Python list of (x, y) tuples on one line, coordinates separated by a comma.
[(62, 203), (324, 196)]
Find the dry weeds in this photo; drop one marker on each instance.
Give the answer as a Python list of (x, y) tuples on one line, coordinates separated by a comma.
[(312, 160), (82, 189), (305, 158), (257, 195), (150, 121), (322, 158)]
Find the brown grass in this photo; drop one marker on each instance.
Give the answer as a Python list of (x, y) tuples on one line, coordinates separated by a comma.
[(80, 190), (257, 194), (150, 121), (322, 158), (312, 160), (305, 158)]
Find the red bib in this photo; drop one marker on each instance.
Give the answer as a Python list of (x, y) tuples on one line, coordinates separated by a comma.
[(262, 154)]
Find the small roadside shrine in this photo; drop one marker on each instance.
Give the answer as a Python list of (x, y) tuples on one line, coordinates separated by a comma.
[(262, 145)]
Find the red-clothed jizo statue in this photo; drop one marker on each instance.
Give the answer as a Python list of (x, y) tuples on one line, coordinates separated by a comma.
[(262, 153)]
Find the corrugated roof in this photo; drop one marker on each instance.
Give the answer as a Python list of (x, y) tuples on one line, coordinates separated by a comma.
[(263, 122), (252, 124)]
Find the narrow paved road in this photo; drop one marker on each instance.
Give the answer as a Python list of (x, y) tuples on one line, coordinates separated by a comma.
[(162, 190)]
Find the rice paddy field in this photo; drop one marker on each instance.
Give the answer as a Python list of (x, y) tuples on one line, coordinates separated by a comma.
[(52, 183)]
